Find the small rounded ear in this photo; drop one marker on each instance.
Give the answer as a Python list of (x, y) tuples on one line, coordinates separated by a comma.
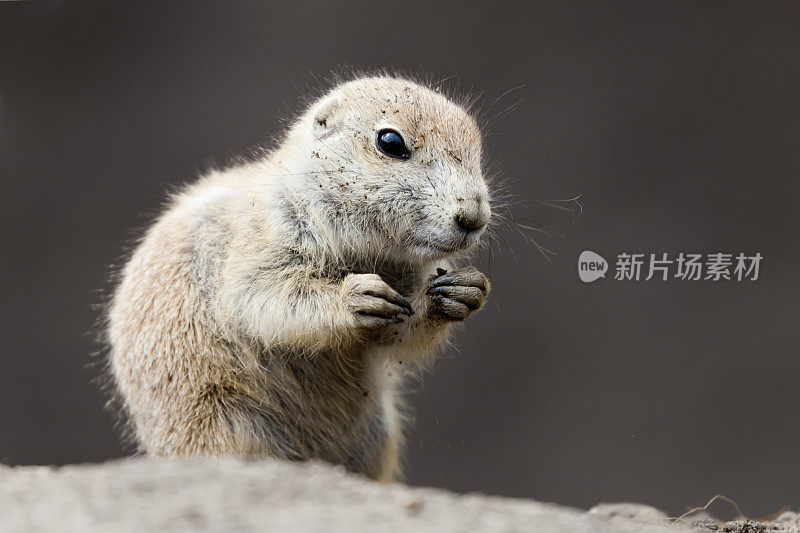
[(327, 114)]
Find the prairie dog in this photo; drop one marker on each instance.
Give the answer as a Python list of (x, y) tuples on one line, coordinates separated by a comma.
[(272, 308)]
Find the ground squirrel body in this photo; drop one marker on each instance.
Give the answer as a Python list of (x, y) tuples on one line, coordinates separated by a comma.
[(273, 307)]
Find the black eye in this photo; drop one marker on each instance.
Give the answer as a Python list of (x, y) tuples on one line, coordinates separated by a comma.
[(392, 144)]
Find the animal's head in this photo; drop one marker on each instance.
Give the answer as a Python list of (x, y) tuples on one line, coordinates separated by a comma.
[(400, 163)]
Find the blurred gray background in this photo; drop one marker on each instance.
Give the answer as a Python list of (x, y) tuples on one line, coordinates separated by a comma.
[(678, 123)]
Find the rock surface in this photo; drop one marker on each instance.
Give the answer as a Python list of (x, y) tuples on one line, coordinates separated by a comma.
[(238, 495)]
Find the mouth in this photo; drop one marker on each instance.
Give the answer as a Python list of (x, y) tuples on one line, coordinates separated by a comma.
[(442, 248), (438, 245)]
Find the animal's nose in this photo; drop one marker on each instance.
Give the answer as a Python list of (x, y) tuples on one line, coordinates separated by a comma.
[(473, 215)]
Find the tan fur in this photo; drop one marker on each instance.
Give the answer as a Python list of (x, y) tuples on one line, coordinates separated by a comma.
[(263, 313)]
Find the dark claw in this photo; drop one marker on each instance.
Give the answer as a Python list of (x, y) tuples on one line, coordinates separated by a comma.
[(405, 305), (396, 299), (460, 280), (403, 310), (452, 309), (461, 294)]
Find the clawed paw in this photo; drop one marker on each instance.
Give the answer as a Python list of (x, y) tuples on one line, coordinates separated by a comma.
[(374, 303), (455, 295)]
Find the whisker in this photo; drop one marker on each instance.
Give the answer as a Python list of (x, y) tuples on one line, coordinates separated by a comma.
[(506, 110), (438, 83), (504, 94)]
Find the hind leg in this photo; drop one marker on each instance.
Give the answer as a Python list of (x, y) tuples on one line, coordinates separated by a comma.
[(222, 421)]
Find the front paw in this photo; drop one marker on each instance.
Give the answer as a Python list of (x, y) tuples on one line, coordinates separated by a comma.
[(373, 303), (455, 295)]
